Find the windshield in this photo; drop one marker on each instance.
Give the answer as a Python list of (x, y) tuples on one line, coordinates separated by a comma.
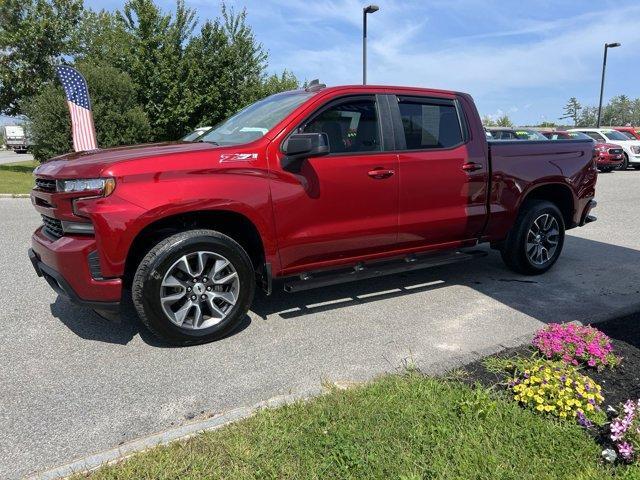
[(629, 135), (255, 120), (524, 134), (614, 135)]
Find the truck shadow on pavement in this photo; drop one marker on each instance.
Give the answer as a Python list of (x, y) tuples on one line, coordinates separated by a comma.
[(590, 279)]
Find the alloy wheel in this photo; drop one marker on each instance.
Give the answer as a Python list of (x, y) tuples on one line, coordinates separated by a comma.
[(199, 290), (542, 239)]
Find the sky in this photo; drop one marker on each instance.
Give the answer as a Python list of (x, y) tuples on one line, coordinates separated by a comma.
[(523, 58)]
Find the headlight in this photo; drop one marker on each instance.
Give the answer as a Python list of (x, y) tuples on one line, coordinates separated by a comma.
[(601, 148), (96, 186), (635, 149)]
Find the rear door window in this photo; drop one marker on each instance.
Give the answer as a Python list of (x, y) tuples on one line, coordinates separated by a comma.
[(430, 123)]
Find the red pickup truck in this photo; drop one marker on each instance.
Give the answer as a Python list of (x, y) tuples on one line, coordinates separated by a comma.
[(313, 187)]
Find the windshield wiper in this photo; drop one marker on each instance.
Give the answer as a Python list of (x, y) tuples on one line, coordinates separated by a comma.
[(209, 141)]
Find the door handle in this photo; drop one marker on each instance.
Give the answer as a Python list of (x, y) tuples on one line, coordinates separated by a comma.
[(471, 167), (381, 173)]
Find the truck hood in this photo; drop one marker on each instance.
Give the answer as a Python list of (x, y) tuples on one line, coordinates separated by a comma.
[(91, 164)]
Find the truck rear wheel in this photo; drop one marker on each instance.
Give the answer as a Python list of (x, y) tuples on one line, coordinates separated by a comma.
[(194, 287), (535, 240)]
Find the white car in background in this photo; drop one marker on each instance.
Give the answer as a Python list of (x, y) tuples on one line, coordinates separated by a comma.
[(630, 147)]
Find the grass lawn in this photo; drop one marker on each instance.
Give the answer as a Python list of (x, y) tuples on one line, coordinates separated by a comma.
[(401, 427), (17, 177)]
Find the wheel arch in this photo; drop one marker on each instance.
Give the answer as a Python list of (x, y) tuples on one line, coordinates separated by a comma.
[(557, 193), (234, 224)]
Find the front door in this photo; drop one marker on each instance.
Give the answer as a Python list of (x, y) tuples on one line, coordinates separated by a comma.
[(442, 184), (343, 205)]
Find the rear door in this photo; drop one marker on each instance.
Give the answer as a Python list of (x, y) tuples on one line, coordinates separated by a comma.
[(443, 194), (343, 205)]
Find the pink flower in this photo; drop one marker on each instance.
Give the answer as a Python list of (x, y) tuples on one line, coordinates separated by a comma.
[(626, 450)]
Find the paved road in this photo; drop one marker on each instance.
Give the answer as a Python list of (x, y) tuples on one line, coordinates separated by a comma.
[(72, 383), (7, 156)]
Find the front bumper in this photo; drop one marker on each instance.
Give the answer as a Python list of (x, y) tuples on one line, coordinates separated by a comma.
[(64, 263), (608, 160)]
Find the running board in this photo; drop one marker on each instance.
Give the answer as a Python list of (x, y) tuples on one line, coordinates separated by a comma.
[(361, 271)]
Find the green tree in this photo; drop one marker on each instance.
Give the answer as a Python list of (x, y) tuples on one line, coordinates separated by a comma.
[(618, 111), (488, 121), (547, 125), (155, 63), (119, 120), (504, 121), (588, 117), (226, 70), (102, 37), (572, 110), (34, 36)]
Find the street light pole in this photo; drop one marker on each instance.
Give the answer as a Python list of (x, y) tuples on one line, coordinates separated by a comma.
[(365, 10), (604, 66)]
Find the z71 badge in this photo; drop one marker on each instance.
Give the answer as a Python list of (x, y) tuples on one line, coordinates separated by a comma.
[(238, 157)]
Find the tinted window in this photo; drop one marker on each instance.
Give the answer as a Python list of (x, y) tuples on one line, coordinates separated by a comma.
[(615, 135), (504, 135), (352, 126), (596, 136), (429, 125)]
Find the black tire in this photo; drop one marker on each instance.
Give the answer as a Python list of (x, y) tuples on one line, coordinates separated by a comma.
[(146, 287), (605, 169), (625, 163), (514, 250)]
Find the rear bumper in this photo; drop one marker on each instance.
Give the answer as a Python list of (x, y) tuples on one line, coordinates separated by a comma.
[(64, 264)]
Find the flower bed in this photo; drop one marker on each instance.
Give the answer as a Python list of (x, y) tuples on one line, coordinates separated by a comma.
[(608, 356), (576, 345)]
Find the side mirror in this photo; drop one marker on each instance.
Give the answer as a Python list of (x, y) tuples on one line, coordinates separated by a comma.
[(301, 146)]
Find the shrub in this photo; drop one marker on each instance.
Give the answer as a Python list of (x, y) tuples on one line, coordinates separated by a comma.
[(625, 432), (576, 344), (559, 390)]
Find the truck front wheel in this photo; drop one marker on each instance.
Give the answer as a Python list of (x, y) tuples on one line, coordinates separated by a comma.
[(535, 240), (194, 287)]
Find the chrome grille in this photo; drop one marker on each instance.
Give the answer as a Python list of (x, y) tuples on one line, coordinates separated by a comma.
[(52, 226), (46, 185), (615, 151)]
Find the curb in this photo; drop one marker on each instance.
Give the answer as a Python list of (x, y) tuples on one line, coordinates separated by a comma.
[(114, 455), (15, 195)]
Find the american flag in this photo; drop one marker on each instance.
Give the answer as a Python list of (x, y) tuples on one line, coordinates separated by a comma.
[(75, 88)]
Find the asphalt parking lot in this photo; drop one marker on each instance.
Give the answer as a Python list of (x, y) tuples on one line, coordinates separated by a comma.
[(73, 383), (7, 156)]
